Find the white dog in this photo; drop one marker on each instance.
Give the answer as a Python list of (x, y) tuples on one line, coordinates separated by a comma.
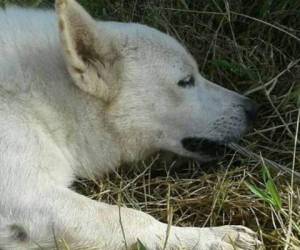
[(78, 99)]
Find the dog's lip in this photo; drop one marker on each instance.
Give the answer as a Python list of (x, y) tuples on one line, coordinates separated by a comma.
[(206, 146)]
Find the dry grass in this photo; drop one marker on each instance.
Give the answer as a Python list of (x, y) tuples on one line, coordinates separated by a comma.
[(252, 47)]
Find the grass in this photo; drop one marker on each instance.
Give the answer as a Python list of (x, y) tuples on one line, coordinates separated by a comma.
[(252, 47)]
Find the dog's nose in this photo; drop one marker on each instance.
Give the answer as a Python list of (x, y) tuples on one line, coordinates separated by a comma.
[(251, 109)]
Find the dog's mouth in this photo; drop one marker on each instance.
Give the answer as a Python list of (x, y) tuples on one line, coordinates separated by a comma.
[(205, 146)]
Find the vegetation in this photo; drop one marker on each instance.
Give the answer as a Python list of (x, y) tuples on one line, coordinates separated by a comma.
[(252, 47)]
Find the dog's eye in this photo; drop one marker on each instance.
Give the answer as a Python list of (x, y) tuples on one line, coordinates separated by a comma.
[(187, 82)]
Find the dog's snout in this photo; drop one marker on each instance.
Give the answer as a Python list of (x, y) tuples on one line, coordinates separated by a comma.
[(251, 109)]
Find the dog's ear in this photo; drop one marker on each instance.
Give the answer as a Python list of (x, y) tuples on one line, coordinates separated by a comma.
[(92, 58)]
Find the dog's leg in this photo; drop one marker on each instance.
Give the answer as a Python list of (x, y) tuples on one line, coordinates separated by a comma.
[(61, 214)]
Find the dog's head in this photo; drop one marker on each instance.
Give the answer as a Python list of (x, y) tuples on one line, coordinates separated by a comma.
[(154, 94)]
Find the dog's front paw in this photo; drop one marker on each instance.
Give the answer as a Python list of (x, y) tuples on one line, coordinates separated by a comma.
[(235, 238)]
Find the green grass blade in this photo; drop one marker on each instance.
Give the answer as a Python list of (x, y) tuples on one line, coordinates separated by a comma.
[(140, 245), (272, 190)]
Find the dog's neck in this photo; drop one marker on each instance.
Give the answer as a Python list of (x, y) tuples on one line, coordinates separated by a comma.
[(96, 133)]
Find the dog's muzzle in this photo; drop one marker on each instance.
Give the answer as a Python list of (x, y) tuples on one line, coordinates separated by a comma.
[(217, 148)]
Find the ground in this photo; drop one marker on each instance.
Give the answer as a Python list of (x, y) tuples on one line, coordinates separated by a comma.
[(252, 47)]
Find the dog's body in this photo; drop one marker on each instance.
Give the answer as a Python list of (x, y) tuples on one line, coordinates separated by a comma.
[(119, 110)]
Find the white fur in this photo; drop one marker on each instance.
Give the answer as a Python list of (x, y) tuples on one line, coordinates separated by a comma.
[(57, 125)]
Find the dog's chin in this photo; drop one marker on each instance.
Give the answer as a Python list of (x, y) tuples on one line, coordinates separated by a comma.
[(204, 149)]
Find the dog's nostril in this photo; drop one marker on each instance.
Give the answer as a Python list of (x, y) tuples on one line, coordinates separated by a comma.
[(251, 109), (251, 115)]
